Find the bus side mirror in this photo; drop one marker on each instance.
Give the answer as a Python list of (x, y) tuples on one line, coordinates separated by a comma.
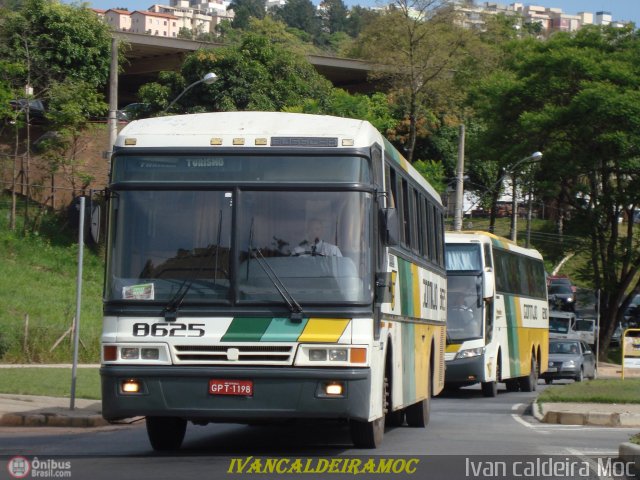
[(95, 223), (390, 226), (488, 280)]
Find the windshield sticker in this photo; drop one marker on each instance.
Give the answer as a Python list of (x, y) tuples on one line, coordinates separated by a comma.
[(138, 292)]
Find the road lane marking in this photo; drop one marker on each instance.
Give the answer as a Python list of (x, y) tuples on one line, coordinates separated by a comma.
[(592, 463)]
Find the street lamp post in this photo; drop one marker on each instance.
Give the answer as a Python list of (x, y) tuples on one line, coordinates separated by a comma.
[(208, 79), (535, 157)]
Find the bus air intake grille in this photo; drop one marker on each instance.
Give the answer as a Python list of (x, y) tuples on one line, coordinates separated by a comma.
[(235, 354)]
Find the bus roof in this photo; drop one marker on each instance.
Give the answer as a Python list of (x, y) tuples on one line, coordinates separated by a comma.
[(256, 129), (198, 130), (487, 237)]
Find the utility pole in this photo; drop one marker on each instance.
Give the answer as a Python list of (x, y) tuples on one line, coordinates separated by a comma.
[(113, 99), (457, 219)]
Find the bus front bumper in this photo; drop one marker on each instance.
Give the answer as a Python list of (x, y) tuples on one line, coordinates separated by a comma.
[(278, 393), (464, 371)]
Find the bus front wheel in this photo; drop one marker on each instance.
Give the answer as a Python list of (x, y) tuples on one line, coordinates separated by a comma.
[(367, 434), (489, 389), (166, 433)]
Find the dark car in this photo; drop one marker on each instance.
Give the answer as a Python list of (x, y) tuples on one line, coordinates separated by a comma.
[(36, 109), (569, 359), (632, 313), (132, 111), (561, 280), (562, 297)]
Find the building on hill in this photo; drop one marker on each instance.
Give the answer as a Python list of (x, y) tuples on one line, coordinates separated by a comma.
[(474, 15)]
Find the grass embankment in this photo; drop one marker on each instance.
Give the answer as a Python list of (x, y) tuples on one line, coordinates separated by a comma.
[(38, 275), (51, 382), (594, 391)]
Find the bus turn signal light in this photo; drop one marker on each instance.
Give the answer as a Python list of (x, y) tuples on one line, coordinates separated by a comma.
[(358, 355), (110, 353)]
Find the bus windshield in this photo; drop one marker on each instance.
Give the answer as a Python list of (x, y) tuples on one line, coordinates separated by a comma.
[(464, 316), (165, 243)]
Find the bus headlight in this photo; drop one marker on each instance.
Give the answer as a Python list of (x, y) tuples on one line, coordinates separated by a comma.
[(317, 354), (136, 354), (332, 355), (470, 353), (338, 355)]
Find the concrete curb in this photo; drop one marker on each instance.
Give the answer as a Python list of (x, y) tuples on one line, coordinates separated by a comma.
[(630, 452), (555, 414), (45, 419)]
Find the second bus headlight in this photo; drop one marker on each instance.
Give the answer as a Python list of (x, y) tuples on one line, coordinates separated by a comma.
[(470, 352)]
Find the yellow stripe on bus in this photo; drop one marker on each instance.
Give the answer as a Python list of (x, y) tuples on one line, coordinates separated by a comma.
[(325, 330), (417, 304), (422, 346), (453, 348)]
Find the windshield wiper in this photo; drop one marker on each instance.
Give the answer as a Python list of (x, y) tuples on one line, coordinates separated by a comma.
[(295, 308), (170, 310)]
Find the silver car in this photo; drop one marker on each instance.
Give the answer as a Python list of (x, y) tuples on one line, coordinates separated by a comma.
[(570, 359)]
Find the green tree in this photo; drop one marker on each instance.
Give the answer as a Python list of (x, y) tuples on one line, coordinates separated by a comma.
[(56, 40), (244, 10), (51, 42), (576, 98), (71, 106), (185, 32), (374, 108), (420, 50), (261, 73), (334, 15), (360, 17), (300, 14)]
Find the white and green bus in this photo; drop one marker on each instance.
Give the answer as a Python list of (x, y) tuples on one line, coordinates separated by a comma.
[(221, 306), (497, 314)]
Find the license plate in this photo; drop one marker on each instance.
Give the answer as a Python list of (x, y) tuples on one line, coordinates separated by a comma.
[(552, 369), (231, 387)]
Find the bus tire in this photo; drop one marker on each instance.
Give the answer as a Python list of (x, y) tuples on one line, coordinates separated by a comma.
[(512, 385), (369, 434), (418, 414), (395, 419), (530, 382), (489, 389), (166, 433)]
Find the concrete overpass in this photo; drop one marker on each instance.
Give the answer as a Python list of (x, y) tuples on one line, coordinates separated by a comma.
[(147, 55)]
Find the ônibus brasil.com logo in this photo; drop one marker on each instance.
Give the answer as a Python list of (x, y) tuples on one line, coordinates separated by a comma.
[(19, 467)]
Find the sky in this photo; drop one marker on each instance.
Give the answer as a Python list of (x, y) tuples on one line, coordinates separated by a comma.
[(624, 10)]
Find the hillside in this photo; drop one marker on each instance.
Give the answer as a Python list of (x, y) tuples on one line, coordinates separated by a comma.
[(38, 281)]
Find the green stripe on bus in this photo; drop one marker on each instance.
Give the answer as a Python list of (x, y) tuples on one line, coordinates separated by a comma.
[(246, 329), (512, 335), (408, 362), (283, 330), (406, 288)]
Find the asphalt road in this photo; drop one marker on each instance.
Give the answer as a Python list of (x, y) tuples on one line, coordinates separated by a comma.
[(464, 425)]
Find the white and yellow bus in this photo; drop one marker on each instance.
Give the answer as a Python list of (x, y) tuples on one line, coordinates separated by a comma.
[(220, 306), (497, 314)]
